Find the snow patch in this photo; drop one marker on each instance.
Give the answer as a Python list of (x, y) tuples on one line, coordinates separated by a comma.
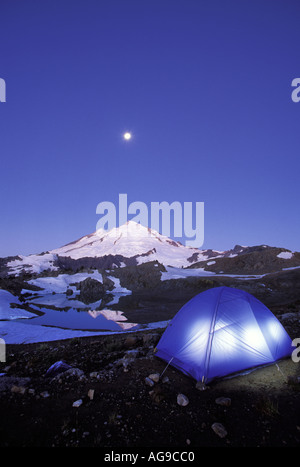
[(62, 282), (32, 264), (285, 255), (179, 273), (117, 286), (19, 333)]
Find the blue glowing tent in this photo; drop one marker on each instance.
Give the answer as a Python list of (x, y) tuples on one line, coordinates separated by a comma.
[(223, 331)]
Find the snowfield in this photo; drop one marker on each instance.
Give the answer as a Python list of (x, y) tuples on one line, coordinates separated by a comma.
[(62, 282), (180, 273), (32, 264), (285, 255), (19, 333), (131, 239)]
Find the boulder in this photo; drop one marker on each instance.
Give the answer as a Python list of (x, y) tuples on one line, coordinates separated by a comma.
[(219, 429), (225, 401), (149, 381), (77, 403), (91, 290), (182, 400), (154, 377)]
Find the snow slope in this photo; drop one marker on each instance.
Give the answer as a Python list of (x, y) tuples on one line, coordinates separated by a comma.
[(129, 240)]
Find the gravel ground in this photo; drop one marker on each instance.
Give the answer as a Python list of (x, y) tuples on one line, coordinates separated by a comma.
[(108, 399)]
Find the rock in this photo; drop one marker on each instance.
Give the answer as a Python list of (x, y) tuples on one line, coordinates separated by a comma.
[(71, 373), (219, 429), (94, 374), (201, 386), (182, 400), (293, 380), (149, 382), (165, 380), (74, 372), (225, 401), (130, 341), (154, 377), (126, 363), (127, 359), (157, 394), (7, 382), (290, 316), (151, 338), (107, 283), (44, 394), (132, 354), (77, 403), (91, 290), (57, 368), (91, 394), (18, 389)]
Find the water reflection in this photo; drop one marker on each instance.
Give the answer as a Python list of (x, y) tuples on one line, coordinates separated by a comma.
[(63, 301), (83, 320), (113, 315), (118, 313)]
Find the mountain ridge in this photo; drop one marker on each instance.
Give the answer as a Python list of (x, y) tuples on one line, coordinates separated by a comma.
[(133, 244)]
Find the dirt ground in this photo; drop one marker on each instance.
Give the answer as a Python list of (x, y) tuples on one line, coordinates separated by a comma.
[(118, 408)]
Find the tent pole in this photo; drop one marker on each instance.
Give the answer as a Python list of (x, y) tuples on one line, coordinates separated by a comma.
[(166, 366), (210, 337)]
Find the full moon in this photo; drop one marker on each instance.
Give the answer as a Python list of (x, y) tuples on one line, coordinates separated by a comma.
[(127, 136)]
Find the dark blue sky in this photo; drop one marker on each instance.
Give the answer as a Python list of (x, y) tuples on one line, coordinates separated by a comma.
[(205, 88)]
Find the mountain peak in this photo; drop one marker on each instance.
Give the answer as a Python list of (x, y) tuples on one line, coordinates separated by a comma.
[(131, 239), (132, 228), (129, 230)]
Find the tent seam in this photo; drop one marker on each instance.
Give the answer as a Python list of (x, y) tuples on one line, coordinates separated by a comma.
[(210, 340), (266, 342)]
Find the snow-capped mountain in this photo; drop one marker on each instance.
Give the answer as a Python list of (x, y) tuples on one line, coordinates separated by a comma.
[(131, 243), (130, 240)]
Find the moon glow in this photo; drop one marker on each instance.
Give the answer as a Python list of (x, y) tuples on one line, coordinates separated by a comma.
[(127, 136)]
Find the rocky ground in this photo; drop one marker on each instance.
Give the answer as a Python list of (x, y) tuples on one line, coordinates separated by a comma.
[(112, 396)]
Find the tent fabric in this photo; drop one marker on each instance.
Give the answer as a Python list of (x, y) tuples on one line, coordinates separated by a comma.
[(222, 331)]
